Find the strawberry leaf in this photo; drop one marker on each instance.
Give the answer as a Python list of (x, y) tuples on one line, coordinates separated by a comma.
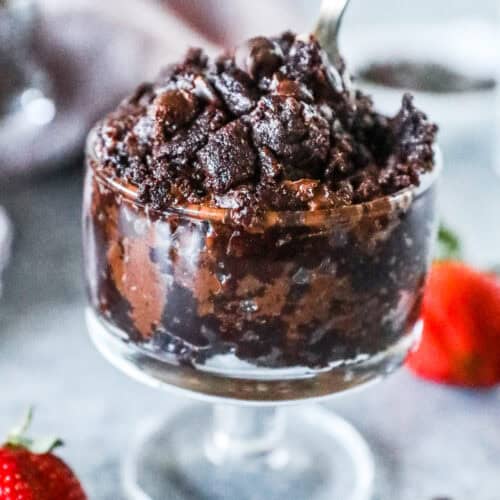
[(45, 444), (448, 245)]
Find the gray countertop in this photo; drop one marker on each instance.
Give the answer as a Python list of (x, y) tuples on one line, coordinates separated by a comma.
[(429, 440)]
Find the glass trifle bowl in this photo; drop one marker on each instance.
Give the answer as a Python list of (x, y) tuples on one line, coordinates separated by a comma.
[(300, 304)]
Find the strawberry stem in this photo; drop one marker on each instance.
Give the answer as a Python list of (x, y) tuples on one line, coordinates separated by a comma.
[(17, 437), (24, 425)]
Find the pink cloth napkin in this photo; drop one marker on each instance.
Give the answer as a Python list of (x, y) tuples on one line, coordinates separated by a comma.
[(95, 53), (228, 22), (98, 51)]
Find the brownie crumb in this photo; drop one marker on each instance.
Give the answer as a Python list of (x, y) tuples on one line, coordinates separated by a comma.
[(265, 126), (228, 158)]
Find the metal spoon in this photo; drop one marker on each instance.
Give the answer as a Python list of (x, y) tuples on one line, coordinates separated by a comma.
[(328, 27)]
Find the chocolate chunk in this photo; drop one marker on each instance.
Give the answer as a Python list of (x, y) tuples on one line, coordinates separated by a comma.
[(277, 123), (228, 158), (196, 58), (234, 87), (415, 135), (367, 190), (258, 57), (183, 146), (296, 132), (340, 159), (142, 95), (302, 59), (397, 176), (204, 91), (285, 41), (195, 62), (173, 109), (344, 193), (291, 88), (270, 167)]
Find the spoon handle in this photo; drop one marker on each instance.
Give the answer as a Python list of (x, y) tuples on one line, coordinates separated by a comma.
[(327, 29)]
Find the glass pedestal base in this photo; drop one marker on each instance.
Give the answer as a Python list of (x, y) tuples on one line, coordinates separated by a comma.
[(246, 453)]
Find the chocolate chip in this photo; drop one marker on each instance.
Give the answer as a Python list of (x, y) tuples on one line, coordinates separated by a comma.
[(258, 57), (173, 109)]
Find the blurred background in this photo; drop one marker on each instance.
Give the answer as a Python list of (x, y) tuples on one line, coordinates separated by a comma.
[(63, 64)]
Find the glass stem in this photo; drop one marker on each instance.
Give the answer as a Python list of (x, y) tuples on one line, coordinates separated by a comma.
[(243, 432)]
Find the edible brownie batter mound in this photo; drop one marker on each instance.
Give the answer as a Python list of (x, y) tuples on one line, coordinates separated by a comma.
[(269, 125)]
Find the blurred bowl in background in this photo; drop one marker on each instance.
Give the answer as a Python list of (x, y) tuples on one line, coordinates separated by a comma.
[(451, 70), (23, 80)]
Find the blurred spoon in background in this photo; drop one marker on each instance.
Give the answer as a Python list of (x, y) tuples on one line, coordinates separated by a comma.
[(327, 32)]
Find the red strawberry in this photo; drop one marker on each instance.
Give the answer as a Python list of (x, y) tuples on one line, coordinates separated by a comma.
[(29, 470), (461, 339)]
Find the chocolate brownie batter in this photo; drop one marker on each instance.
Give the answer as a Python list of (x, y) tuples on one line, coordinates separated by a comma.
[(252, 208), (244, 131)]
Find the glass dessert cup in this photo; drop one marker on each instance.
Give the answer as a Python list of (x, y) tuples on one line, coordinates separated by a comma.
[(302, 307)]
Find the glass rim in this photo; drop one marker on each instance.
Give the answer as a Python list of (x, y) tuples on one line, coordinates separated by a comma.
[(379, 206)]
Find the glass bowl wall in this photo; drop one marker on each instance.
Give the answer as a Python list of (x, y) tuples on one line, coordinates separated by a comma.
[(303, 306)]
